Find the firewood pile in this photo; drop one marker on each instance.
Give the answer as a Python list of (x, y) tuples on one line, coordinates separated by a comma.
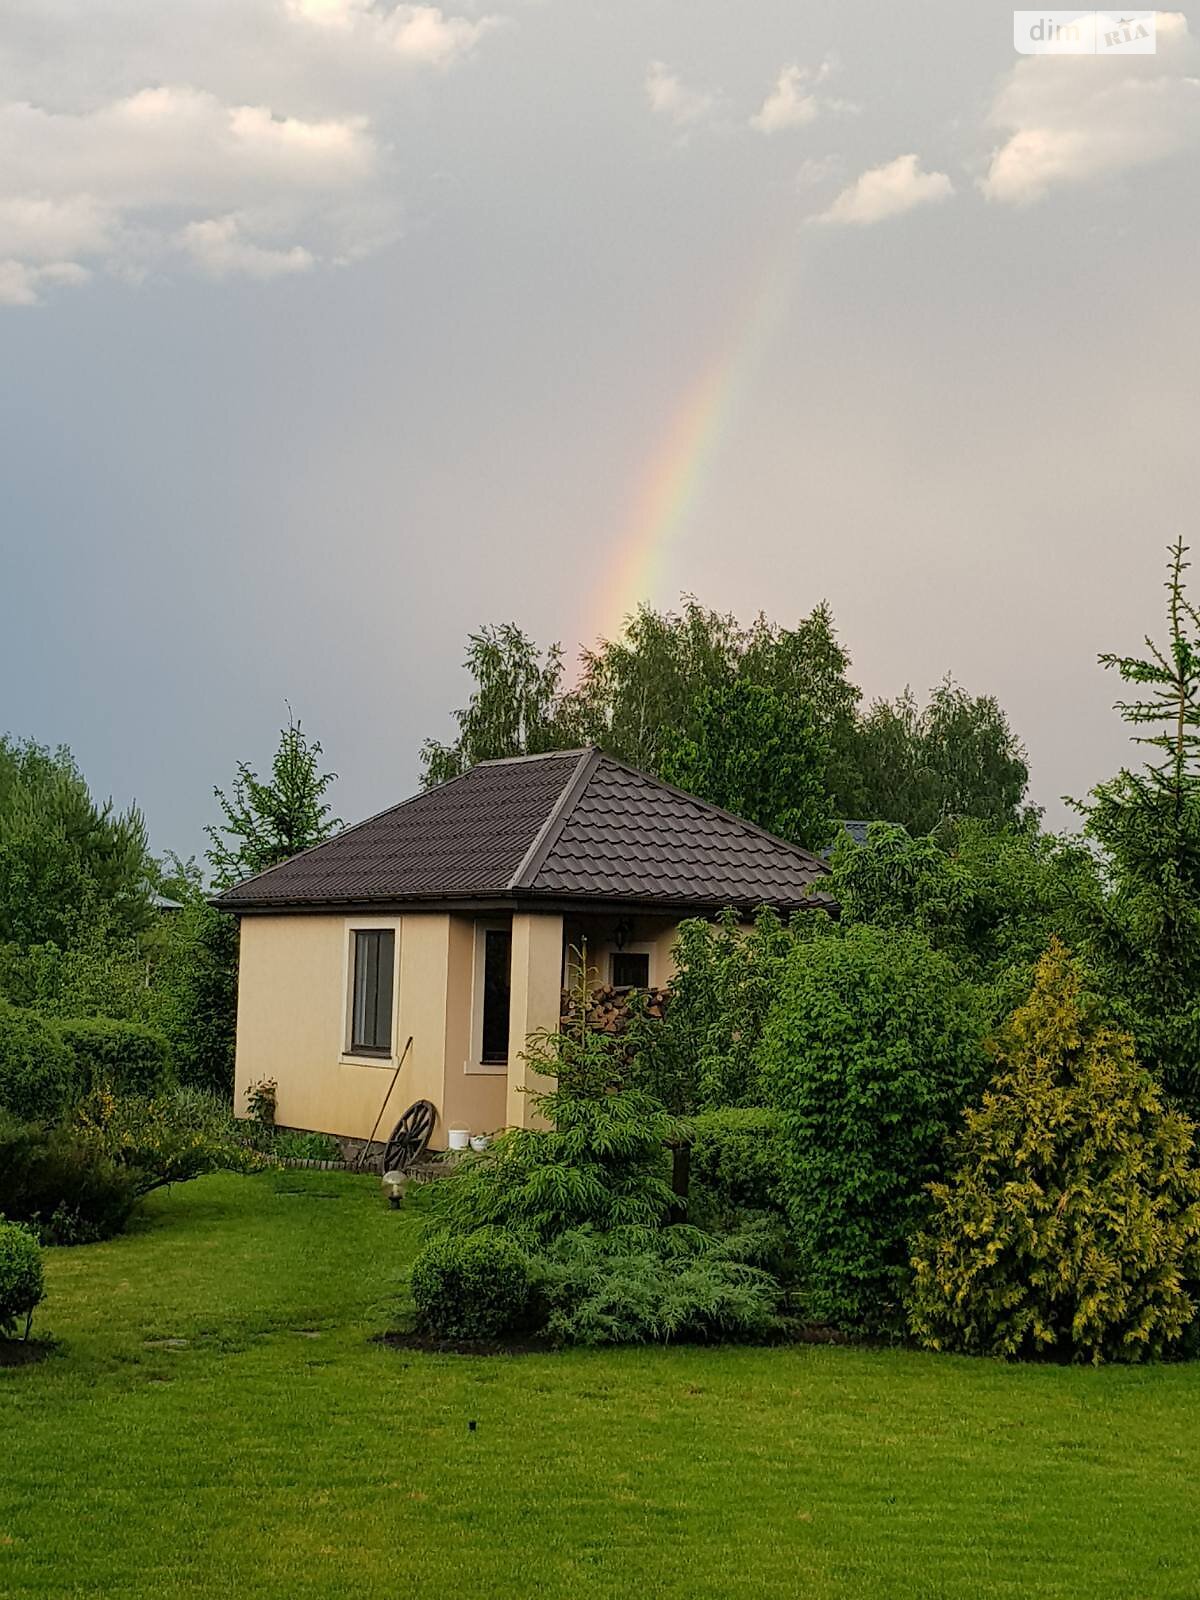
[(610, 1010)]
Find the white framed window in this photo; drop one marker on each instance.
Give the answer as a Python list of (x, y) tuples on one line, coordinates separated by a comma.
[(372, 982), (491, 1002)]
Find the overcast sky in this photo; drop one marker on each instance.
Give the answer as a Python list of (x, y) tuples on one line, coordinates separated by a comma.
[(331, 329)]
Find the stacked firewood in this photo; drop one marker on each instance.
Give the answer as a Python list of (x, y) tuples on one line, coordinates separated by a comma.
[(609, 1010)]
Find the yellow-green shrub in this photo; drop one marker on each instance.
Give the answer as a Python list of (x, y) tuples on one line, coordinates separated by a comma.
[(1071, 1225)]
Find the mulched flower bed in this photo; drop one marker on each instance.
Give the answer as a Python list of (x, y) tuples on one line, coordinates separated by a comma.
[(427, 1344), (25, 1352)]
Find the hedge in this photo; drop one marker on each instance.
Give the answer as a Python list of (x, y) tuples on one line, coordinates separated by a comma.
[(123, 1056), (37, 1076)]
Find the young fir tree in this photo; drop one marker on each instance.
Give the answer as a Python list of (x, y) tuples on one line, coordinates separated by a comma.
[(1070, 1226), (1147, 824), (268, 821)]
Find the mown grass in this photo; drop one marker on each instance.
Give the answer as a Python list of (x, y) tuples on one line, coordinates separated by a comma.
[(272, 1449)]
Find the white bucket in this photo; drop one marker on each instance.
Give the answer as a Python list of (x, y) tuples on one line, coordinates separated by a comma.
[(459, 1138)]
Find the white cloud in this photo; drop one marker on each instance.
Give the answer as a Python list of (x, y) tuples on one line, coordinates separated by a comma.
[(260, 144), (673, 99), (115, 186), (219, 247), (888, 191), (21, 284), (417, 33), (793, 102), (1071, 120)]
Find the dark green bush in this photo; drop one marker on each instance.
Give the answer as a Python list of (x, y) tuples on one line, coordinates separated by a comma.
[(736, 1159), (22, 1283), (473, 1286), (65, 1189), (37, 1080), (654, 1285), (122, 1056), (603, 1159), (870, 1053)]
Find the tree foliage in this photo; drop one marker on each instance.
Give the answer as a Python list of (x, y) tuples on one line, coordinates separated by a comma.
[(869, 1052), (64, 857), (991, 897), (1146, 942), (1071, 1223), (759, 755), (923, 767), (662, 684), (515, 708), (703, 1054), (266, 821)]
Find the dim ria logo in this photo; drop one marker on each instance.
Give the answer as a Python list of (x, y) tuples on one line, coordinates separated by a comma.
[(1084, 33)]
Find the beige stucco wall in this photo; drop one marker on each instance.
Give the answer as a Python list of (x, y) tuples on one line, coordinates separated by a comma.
[(292, 1005), (537, 959), (292, 988)]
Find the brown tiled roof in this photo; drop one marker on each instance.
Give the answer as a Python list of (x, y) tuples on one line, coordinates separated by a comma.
[(572, 825)]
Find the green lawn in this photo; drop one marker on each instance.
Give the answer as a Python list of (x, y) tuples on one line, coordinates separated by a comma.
[(278, 1452)]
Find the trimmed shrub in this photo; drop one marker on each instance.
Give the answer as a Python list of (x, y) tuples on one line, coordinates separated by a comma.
[(1071, 1225), (37, 1080), (122, 1056), (65, 1189), (476, 1286), (869, 1052), (22, 1282), (736, 1160), (655, 1285)]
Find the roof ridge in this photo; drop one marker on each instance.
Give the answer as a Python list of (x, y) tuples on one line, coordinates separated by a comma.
[(547, 835), (540, 755)]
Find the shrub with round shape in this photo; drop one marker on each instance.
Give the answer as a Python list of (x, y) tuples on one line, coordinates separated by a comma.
[(37, 1075), (22, 1284), (471, 1286), (869, 1053)]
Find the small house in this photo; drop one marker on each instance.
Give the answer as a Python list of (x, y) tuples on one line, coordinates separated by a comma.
[(451, 919)]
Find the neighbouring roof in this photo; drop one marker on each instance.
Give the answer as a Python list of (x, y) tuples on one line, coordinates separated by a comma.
[(569, 825), (856, 828)]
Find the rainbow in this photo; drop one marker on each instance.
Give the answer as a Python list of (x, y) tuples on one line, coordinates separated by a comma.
[(675, 477)]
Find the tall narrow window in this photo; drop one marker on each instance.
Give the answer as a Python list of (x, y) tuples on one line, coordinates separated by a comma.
[(497, 989), (374, 967)]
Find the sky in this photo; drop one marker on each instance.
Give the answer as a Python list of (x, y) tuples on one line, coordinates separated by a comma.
[(333, 329)]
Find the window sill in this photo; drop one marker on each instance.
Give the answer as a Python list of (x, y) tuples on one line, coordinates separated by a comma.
[(349, 1059), (486, 1069)]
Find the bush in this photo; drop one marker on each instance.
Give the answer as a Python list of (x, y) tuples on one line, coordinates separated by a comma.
[(169, 1138), (67, 1191), (701, 1055), (736, 1161), (195, 994), (37, 1079), (653, 1285), (1071, 1225), (471, 1287), (122, 1056), (22, 1282), (602, 1161), (293, 1144), (869, 1052)]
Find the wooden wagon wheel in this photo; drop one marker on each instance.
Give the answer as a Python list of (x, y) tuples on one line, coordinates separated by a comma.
[(410, 1137)]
